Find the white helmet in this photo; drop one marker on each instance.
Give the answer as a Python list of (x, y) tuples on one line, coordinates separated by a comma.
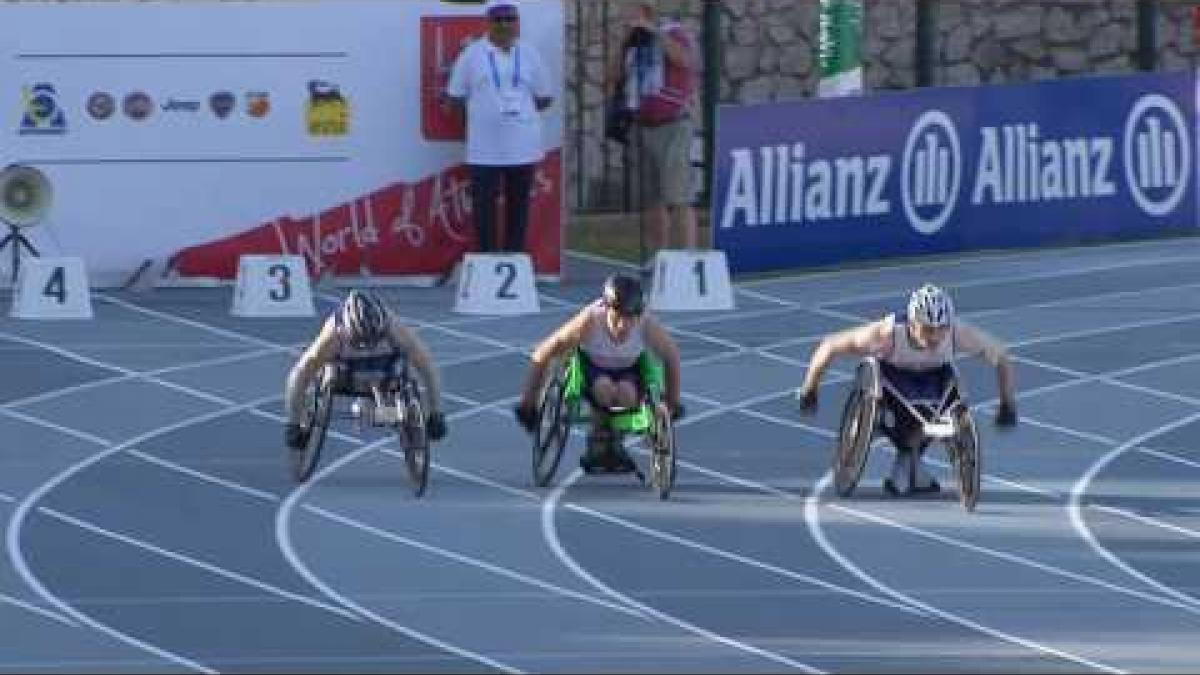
[(364, 319), (930, 306)]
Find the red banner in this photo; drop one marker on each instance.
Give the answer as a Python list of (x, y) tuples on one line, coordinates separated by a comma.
[(404, 229)]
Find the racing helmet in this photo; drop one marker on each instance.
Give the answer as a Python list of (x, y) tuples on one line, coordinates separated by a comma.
[(364, 319), (930, 306), (623, 293)]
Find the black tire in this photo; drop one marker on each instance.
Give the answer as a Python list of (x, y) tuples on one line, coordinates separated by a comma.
[(859, 417), (663, 454), (966, 458), (553, 429), (414, 437), (305, 460)]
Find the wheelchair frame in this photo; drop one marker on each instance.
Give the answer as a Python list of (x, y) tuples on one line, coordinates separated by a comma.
[(947, 420), (399, 392), (562, 404)]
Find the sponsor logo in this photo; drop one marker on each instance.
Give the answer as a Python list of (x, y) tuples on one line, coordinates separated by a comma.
[(221, 104), (101, 105), (41, 112), (258, 103), (931, 172), (1011, 164), (137, 105), (1157, 153), (181, 105), (328, 112)]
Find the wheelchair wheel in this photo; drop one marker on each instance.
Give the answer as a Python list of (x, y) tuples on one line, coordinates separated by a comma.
[(859, 417), (966, 458), (305, 460), (553, 428), (663, 455), (415, 438)]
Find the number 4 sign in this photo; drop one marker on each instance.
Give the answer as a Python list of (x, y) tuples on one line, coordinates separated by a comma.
[(52, 288), (272, 285), (496, 283), (691, 280)]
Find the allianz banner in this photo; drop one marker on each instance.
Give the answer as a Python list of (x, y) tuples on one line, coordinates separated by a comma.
[(823, 181), (191, 133)]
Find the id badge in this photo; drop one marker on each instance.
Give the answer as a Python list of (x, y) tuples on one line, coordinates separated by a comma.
[(510, 105)]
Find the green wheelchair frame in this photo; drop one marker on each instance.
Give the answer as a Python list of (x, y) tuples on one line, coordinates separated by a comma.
[(562, 405)]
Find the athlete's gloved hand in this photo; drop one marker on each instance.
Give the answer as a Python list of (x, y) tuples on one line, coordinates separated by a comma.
[(295, 436), (807, 398), (435, 425), (677, 411), (1006, 414), (526, 417)]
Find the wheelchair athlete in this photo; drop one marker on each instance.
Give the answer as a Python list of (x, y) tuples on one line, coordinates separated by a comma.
[(611, 334), (915, 355), (361, 335)]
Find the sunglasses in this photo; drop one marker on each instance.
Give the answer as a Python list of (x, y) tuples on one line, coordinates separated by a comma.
[(504, 18)]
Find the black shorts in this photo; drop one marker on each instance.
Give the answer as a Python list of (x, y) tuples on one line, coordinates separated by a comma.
[(632, 374)]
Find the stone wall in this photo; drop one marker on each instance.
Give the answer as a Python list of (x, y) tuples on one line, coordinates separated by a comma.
[(768, 54)]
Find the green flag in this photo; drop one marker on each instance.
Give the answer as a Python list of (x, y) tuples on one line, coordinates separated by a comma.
[(840, 48)]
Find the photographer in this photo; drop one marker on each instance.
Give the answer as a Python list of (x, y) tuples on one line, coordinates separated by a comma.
[(654, 81)]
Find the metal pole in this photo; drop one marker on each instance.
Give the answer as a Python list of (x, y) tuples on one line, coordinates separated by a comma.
[(712, 89), (604, 56), (924, 43), (1147, 35), (580, 88)]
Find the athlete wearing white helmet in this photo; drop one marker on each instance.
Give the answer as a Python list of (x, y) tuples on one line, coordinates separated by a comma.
[(365, 337), (915, 349)]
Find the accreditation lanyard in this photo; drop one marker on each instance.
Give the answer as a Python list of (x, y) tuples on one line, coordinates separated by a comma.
[(516, 78)]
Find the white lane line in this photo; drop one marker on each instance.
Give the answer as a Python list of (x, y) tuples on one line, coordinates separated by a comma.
[(813, 519), (1012, 558), (1147, 520), (1169, 457), (283, 538), (206, 477), (1079, 489), (550, 534), (924, 263), (17, 521), (93, 384), (971, 316), (568, 561), (471, 561), (195, 562), (1060, 272), (216, 330)]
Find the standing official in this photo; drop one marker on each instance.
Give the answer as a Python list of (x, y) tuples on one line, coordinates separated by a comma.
[(502, 83)]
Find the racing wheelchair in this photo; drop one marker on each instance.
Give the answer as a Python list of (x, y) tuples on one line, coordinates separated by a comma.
[(564, 402), (393, 400), (946, 419)]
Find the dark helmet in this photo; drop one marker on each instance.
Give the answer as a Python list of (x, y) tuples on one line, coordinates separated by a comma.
[(624, 294), (364, 319)]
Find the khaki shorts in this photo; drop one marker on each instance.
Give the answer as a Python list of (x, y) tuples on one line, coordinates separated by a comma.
[(666, 167)]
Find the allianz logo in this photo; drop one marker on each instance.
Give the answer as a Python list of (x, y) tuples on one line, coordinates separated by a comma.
[(1015, 164)]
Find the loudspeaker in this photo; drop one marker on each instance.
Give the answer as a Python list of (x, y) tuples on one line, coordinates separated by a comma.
[(25, 195)]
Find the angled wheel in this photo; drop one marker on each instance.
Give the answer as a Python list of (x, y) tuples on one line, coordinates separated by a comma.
[(966, 457), (663, 452), (320, 404), (859, 418), (415, 438), (553, 428)]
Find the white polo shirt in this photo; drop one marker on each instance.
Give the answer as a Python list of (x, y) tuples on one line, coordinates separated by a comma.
[(504, 127)]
